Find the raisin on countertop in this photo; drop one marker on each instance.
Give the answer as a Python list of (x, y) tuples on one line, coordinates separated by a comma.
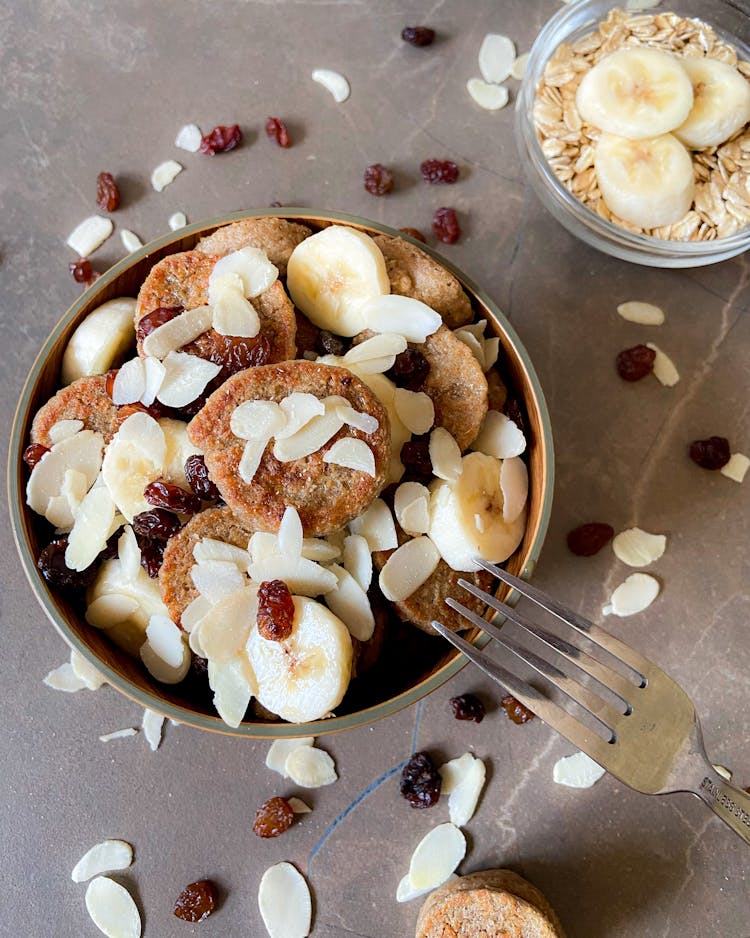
[(421, 781), (196, 901)]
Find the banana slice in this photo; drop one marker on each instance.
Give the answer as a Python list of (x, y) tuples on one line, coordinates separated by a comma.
[(721, 103), (306, 676), (466, 516), (332, 274), (645, 182), (636, 93), (101, 340)]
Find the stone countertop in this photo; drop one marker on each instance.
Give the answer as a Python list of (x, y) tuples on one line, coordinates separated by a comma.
[(90, 87)]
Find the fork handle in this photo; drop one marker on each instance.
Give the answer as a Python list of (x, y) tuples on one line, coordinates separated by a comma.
[(731, 803)]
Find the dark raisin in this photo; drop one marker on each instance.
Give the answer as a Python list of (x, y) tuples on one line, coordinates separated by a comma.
[(409, 370), (421, 781), (273, 817), (156, 318), (110, 548), (107, 193), (468, 707), (438, 171), (276, 204), (82, 270), (588, 539), (712, 453), (235, 353), (513, 411), (33, 453), (275, 610), (326, 343), (196, 901), (445, 225), (415, 455), (418, 35), (152, 555), (154, 410), (198, 479), (277, 130), (414, 233), (516, 710), (221, 139), (162, 494), (199, 667), (635, 363), (57, 573), (378, 180), (157, 524)]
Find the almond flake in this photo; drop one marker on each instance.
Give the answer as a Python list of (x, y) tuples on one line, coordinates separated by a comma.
[(473, 343), (105, 857), (112, 909), (303, 577), (250, 459), (90, 531), (129, 383), (194, 613), (350, 603), (154, 373), (577, 771), (258, 420), (217, 579), (436, 856), (351, 454), (664, 368), (518, 69), (80, 453), (499, 437), (134, 458), (514, 484), (376, 526), (129, 555), (407, 891), (496, 57), (165, 173), (64, 429), (85, 671), (401, 315), (638, 548), (118, 734), (165, 639), (152, 726), (333, 82), (280, 749), (408, 568), (445, 455), (185, 378), (491, 351), (162, 670), (354, 418), (462, 801), (736, 468), (411, 505), (130, 240), (309, 439), (178, 332), (232, 692), (284, 902), (233, 314), (225, 629), (298, 409), (177, 221), (454, 772), (415, 410), (65, 679), (723, 771), (634, 595), (251, 265), (208, 548), (646, 314), (488, 96), (110, 609), (310, 768), (90, 234), (63, 508), (289, 537), (189, 138), (298, 806), (379, 348), (319, 550), (357, 559)]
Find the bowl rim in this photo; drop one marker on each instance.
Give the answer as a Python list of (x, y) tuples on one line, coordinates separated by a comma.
[(172, 711)]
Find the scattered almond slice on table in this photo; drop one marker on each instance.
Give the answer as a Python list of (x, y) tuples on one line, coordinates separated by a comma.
[(176, 221), (646, 314), (152, 725), (189, 138), (284, 902), (638, 548), (118, 734), (518, 69), (736, 468), (298, 806), (435, 858), (90, 234), (85, 671), (105, 857), (65, 679), (112, 909), (130, 241), (280, 750), (488, 96), (309, 767), (577, 771), (634, 595), (334, 82), (463, 781), (496, 57), (164, 174), (664, 368)]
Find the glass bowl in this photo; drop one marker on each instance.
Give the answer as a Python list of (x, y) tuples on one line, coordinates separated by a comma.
[(731, 20), (429, 661)]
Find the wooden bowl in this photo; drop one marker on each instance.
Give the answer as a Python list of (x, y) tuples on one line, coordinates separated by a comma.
[(427, 661)]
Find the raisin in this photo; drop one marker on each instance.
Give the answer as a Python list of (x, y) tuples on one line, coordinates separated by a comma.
[(221, 139), (57, 573), (418, 35), (516, 710), (378, 180), (409, 370), (415, 455), (199, 667), (154, 410), (196, 901), (277, 130), (33, 453), (635, 363), (329, 344), (468, 707), (445, 225), (513, 411), (157, 524), (198, 479), (110, 548), (152, 555), (163, 494), (438, 171), (107, 193), (82, 270), (156, 318), (275, 610), (588, 539), (421, 781), (235, 353), (414, 233), (712, 453), (273, 817)]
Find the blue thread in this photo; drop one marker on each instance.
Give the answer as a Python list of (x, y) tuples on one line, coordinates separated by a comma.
[(417, 719)]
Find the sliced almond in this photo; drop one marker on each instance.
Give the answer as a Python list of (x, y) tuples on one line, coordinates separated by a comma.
[(154, 373), (462, 801), (354, 418), (514, 484), (80, 453), (178, 332), (194, 613), (154, 650), (90, 531), (232, 692), (376, 526), (284, 902), (454, 772), (350, 603), (176, 221), (351, 454), (401, 315), (577, 771), (85, 671), (445, 455), (166, 640), (496, 57), (217, 579), (280, 749), (63, 429), (408, 567), (309, 767), (63, 508), (334, 82), (257, 420), (226, 627), (407, 891), (165, 173), (110, 609), (65, 679), (105, 857), (499, 437), (411, 505), (129, 555), (638, 548), (289, 537), (298, 409), (358, 560), (152, 726), (319, 550), (233, 314), (134, 458), (518, 69), (130, 240), (303, 577), (491, 351), (634, 595), (436, 856), (253, 267), (189, 138), (209, 548), (646, 314), (473, 343), (298, 806), (185, 378), (488, 96), (90, 234), (736, 468), (665, 371), (112, 909), (250, 459), (378, 347), (309, 439), (415, 410), (118, 734)]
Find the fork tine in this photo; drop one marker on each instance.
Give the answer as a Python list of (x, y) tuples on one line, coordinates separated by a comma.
[(548, 711), (603, 675), (627, 655), (597, 708)]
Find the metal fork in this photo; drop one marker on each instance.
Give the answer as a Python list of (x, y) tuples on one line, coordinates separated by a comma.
[(645, 729)]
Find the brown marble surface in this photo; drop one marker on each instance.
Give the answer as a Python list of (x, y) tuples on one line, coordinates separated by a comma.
[(91, 86)]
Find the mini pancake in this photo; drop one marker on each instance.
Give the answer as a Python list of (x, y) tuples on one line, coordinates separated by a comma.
[(85, 399), (414, 273), (325, 495), (276, 236), (177, 589)]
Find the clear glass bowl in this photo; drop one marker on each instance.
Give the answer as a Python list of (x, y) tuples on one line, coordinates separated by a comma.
[(731, 20)]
